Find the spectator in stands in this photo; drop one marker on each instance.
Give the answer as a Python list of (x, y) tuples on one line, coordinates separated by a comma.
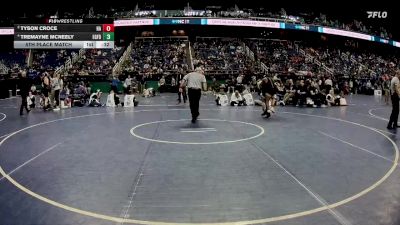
[(356, 86), (82, 88), (239, 82), (135, 85), (33, 89), (289, 92), (114, 84), (215, 86), (351, 86), (319, 98), (65, 99), (301, 93), (181, 93), (328, 84), (88, 87), (230, 83), (312, 95), (161, 84), (280, 90), (79, 94), (368, 87), (346, 88), (127, 84), (253, 84), (173, 82)]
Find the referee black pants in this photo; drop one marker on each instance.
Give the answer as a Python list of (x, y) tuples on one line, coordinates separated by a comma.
[(24, 104), (194, 100), (395, 111)]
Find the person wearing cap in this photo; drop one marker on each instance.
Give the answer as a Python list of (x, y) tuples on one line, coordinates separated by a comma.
[(194, 81)]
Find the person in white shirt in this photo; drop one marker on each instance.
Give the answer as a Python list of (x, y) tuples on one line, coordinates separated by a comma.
[(369, 85), (328, 84), (194, 81), (173, 82), (33, 89), (351, 86), (161, 84), (31, 100), (239, 79), (239, 82), (237, 99), (56, 85), (127, 84)]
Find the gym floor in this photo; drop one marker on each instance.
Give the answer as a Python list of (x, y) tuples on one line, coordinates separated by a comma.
[(150, 165)]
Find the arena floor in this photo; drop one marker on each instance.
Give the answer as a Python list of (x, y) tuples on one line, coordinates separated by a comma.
[(150, 165)]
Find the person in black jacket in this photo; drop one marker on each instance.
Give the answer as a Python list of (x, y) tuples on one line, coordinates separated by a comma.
[(24, 87), (268, 90), (301, 93)]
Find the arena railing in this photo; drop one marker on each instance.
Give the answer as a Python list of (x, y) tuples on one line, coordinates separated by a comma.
[(253, 22)]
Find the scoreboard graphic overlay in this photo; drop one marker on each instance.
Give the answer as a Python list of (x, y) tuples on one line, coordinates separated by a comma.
[(64, 34)]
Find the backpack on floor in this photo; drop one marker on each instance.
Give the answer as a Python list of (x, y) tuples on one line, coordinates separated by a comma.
[(129, 101), (110, 101), (249, 99), (343, 102), (223, 100)]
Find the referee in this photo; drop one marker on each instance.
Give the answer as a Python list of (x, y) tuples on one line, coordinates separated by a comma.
[(395, 93), (194, 81)]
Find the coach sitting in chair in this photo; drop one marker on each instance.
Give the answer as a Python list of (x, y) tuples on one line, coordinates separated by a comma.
[(237, 99)]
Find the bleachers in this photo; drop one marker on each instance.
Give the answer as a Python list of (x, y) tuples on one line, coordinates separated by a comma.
[(219, 54), (13, 59), (96, 61), (158, 57), (282, 57), (50, 59)]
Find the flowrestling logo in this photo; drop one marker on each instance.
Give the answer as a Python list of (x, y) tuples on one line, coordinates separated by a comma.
[(377, 14)]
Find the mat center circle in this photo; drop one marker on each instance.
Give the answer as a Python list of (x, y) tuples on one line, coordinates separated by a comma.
[(204, 131)]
